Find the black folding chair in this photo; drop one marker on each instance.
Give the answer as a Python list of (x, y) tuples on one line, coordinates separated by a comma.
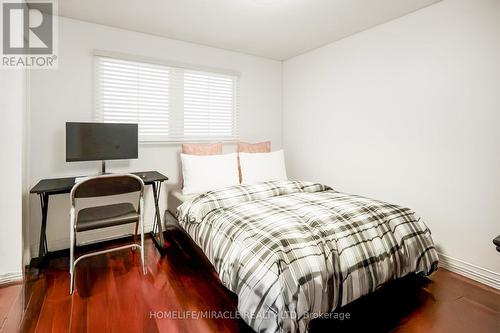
[(97, 217)]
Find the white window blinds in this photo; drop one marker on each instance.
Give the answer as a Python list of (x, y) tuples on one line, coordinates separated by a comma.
[(169, 103), (209, 104)]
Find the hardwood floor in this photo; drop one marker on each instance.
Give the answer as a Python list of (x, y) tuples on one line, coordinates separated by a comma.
[(113, 296), (11, 307)]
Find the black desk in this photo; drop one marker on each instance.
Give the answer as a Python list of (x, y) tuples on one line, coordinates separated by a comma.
[(47, 187)]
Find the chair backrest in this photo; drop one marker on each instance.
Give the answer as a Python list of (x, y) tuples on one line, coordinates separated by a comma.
[(107, 185)]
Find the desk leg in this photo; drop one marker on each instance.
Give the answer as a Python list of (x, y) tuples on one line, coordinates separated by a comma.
[(43, 248), (157, 227)]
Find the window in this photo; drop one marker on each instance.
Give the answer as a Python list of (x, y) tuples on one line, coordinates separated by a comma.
[(169, 103)]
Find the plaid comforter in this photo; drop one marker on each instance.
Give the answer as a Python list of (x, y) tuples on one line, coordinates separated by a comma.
[(294, 250)]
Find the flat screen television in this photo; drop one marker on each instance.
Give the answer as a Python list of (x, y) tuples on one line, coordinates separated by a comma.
[(101, 141)]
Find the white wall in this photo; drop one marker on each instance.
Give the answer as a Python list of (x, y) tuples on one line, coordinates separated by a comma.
[(12, 110), (408, 112), (66, 94)]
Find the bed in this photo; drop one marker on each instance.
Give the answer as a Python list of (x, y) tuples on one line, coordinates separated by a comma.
[(177, 198), (294, 250)]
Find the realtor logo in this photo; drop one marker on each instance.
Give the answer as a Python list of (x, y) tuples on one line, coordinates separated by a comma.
[(29, 34)]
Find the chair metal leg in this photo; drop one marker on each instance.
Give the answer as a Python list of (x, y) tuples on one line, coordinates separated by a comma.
[(142, 247), (135, 235), (136, 231), (141, 221), (72, 252)]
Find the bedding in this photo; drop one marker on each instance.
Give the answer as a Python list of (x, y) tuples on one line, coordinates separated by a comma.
[(259, 147), (201, 173), (294, 250), (261, 167)]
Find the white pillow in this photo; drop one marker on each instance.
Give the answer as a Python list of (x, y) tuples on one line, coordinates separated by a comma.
[(202, 173), (262, 167)]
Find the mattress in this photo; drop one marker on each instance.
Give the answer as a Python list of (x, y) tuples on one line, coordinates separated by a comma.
[(176, 198)]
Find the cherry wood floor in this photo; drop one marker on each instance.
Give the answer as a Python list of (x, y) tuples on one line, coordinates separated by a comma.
[(112, 295)]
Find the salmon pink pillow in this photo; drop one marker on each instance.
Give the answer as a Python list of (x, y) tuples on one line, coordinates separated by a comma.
[(261, 147), (202, 149)]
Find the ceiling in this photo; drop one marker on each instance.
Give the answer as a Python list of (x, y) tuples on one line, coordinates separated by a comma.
[(276, 29)]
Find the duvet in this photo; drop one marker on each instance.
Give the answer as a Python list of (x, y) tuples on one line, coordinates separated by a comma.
[(292, 250)]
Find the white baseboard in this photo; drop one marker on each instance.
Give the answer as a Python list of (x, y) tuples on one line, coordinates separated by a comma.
[(470, 271), (11, 277), (88, 236)]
